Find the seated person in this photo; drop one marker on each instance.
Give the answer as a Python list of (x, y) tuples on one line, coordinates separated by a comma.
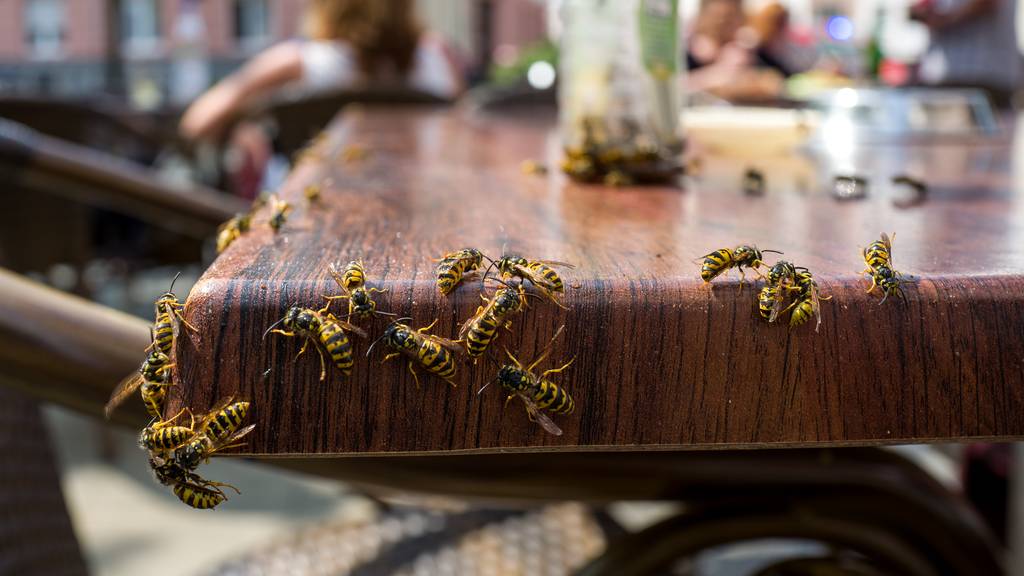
[(727, 59), (353, 43)]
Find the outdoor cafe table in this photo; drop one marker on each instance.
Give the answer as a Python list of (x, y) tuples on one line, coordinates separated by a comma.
[(662, 361)]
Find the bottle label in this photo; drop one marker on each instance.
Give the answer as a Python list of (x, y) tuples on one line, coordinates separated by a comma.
[(659, 37)]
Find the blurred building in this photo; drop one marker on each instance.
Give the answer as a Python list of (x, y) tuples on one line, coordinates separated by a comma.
[(154, 50)]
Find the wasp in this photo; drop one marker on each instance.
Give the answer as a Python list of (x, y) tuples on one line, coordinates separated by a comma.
[(232, 230), (279, 212), (807, 302), (327, 333), (189, 487), (153, 377), (312, 192), (878, 258), (888, 280), (220, 429), (455, 266), (353, 282), (721, 260), (770, 301), (168, 315), (433, 353), (480, 330), (537, 392), (197, 496), (878, 253), (539, 273), (164, 435)]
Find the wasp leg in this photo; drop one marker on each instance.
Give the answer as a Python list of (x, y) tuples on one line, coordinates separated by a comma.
[(390, 356), (415, 376), (557, 370), (509, 399), (283, 333), (427, 328), (873, 284), (372, 290), (183, 321), (216, 486)]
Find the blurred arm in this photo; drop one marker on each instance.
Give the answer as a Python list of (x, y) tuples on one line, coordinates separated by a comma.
[(207, 117)]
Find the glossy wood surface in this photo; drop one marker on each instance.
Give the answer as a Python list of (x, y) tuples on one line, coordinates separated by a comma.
[(661, 361)]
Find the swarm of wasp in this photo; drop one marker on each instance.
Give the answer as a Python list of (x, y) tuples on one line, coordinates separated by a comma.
[(723, 259), (783, 278), (480, 330), (326, 332), (878, 258), (433, 353), (537, 392), (175, 451), (353, 284), (456, 266)]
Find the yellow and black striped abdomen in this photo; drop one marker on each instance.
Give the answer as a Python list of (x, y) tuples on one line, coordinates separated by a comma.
[(801, 313), (165, 438), (715, 263), (337, 344), (766, 301), (876, 254), (549, 275), (449, 274), (436, 359), (225, 422), (197, 496), (354, 276), (553, 397), (163, 332), (153, 396), (481, 334)]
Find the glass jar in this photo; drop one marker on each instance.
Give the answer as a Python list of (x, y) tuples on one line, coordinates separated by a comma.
[(619, 90)]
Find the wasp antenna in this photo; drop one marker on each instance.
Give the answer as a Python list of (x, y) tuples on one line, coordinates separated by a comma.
[(272, 326), (372, 344), (489, 382), (384, 313), (773, 251), (175, 279)]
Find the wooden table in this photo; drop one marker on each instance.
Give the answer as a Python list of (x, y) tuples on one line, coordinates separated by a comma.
[(662, 362)]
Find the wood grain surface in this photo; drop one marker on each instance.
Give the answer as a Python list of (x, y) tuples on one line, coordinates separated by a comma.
[(661, 361)]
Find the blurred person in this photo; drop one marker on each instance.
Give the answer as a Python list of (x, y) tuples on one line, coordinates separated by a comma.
[(777, 43), (973, 43), (727, 59), (352, 43)]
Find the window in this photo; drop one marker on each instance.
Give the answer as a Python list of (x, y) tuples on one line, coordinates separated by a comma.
[(140, 27), (252, 24), (45, 28)]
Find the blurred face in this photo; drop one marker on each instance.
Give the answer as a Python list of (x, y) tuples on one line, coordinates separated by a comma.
[(719, 19)]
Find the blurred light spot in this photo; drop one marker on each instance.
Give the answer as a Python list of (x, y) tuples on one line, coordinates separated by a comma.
[(847, 97), (63, 277), (541, 75), (839, 28)]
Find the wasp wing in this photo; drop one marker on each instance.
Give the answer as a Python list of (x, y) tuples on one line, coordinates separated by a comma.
[(537, 415), (124, 389), (230, 441), (451, 345), (347, 326), (777, 305), (556, 263)]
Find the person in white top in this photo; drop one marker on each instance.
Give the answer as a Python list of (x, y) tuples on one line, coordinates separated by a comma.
[(352, 43)]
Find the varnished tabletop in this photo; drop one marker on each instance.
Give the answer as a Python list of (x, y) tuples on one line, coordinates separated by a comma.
[(661, 361)]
